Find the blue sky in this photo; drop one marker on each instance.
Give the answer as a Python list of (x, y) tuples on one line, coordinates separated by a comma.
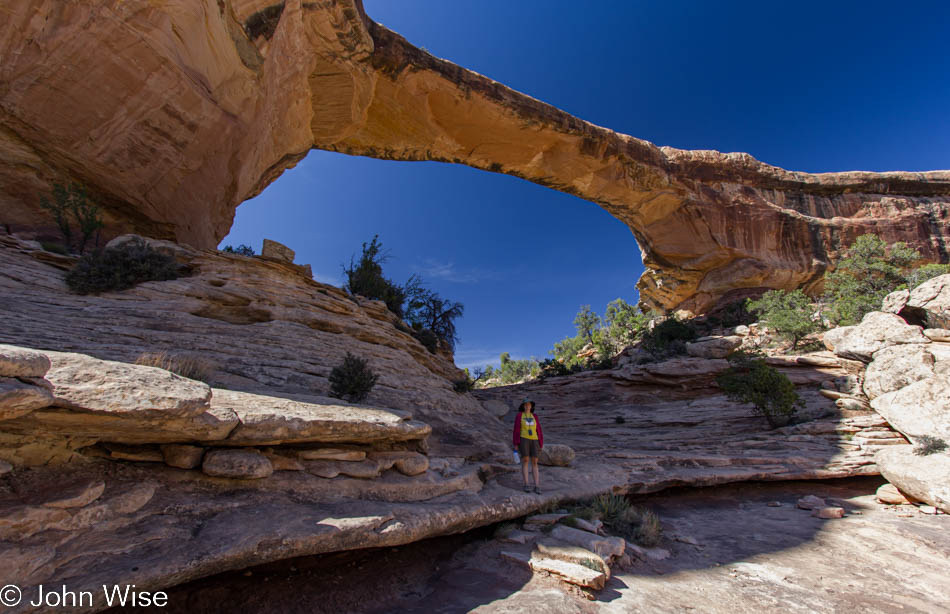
[(813, 86)]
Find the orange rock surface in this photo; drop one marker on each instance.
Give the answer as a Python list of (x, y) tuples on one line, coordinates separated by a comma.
[(174, 113)]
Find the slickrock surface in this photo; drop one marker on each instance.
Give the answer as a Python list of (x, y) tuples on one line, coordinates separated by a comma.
[(259, 326), (179, 112), (748, 557)]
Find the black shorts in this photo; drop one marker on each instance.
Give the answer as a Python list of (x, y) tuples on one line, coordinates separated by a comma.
[(529, 448)]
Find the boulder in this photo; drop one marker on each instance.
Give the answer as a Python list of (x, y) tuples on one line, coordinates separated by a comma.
[(405, 462), (283, 462), (713, 347), (929, 303), (607, 547), (556, 455), (835, 336), (241, 464), (876, 331), (890, 495), (5, 467), (810, 502), (85, 383), (553, 549), (17, 361), (277, 251), (922, 408), (897, 366), (828, 513), (895, 301), (182, 456), (925, 478), (18, 398), (366, 469)]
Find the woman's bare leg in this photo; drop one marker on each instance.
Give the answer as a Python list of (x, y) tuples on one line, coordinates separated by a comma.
[(524, 469), (534, 466)]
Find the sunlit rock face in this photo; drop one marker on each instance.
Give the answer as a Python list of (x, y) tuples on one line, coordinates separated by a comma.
[(174, 114)]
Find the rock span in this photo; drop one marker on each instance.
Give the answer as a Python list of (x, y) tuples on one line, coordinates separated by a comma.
[(179, 113)]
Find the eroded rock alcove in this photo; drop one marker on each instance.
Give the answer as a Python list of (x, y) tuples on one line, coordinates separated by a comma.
[(178, 113)]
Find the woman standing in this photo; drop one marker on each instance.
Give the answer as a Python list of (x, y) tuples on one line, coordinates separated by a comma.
[(528, 440)]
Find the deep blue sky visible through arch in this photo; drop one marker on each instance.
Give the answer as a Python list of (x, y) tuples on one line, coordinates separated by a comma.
[(813, 86)]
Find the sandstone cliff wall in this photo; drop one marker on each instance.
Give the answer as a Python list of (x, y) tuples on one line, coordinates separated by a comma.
[(175, 114)]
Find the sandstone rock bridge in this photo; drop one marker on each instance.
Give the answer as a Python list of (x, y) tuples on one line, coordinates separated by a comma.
[(175, 113)]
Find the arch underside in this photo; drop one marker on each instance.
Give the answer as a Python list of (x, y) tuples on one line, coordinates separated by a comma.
[(181, 112)]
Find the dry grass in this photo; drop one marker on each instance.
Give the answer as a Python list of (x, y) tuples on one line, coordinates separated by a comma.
[(192, 367)]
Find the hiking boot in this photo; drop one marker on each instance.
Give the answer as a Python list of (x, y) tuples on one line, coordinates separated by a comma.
[(537, 490), (527, 488)]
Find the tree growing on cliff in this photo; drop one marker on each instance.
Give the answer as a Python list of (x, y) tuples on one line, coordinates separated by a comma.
[(365, 277), (586, 322), (750, 380), (788, 313), (868, 273), (71, 204)]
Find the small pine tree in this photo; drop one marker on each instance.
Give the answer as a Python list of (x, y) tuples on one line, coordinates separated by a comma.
[(352, 379), (788, 313), (586, 322), (771, 393)]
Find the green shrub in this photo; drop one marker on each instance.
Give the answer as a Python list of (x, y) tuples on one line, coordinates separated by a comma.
[(463, 385), (622, 518), (925, 272), (427, 338), (120, 268), (788, 313), (352, 379), (928, 444), (869, 272), (750, 380), (365, 278), (669, 337), (241, 250), (192, 367), (70, 204), (649, 532)]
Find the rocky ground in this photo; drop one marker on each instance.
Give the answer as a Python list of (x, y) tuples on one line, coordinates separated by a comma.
[(729, 549)]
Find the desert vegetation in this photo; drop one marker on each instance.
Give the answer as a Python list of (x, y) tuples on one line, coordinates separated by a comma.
[(71, 206), (430, 317), (185, 365), (352, 379), (869, 271), (120, 268)]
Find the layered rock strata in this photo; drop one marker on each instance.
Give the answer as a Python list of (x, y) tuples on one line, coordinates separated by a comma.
[(180, 112)]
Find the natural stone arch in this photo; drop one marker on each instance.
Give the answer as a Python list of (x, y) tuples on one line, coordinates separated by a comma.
[(180, 113)]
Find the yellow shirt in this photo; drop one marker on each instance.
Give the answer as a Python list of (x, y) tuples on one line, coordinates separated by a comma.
[(529, 427)]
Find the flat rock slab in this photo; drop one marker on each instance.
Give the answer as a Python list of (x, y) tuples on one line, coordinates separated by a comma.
[(569, 572), (18, 361), (272, 421), (130, 428), (553, 549), (607, 547), (19, 398), (85, 383), (335, 454), (240, 464)]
